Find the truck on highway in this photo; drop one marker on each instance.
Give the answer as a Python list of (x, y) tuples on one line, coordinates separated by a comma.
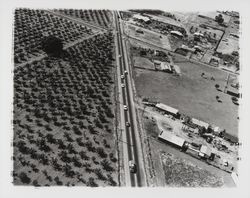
[(132, 166)]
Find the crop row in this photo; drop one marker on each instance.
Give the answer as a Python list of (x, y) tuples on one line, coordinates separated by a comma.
[(98, 17), (63, 117), (31, 26)]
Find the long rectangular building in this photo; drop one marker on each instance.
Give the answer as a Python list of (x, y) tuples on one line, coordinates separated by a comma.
[(167, 109), (172, 139), (200, 123)]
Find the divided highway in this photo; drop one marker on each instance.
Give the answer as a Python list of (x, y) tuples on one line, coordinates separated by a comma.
[(128, 116)]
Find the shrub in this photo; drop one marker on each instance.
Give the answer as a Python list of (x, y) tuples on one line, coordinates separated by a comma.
[(52, 45), (101, 152), (24, 178), (92, 182), (106, 165)]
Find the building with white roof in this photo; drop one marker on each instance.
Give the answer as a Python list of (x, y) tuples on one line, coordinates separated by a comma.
[(172, 139), (200, 123), (140, 17), (166, 67), (205, 151), (177, 33), (167, 109)]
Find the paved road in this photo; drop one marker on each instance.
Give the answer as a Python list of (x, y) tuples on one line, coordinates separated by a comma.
[(133, 149)]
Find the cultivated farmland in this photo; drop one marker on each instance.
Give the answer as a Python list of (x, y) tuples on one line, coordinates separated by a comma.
[(32, 25), (97, 17), (63, 107)]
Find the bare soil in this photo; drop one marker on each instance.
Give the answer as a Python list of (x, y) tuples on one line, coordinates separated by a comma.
[(191, 93)]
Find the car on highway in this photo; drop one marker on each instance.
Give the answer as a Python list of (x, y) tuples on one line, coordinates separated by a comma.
[(125, 107), (123, 85), (122, 76), (125, 72), (127, 124), (132, 166)]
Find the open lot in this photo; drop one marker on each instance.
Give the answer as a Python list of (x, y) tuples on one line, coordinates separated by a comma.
[(144, 63), (149, 36), (191, 93), (182, 173)]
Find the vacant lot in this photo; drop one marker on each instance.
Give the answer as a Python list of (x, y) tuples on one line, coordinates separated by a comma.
[(149, 36), (182, 173), (143, 63), (191, 93)]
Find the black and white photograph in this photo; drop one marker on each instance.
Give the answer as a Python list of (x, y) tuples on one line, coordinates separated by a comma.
[(126, 97)]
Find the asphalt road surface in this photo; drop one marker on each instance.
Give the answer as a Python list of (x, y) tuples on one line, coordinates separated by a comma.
[(133, 148)]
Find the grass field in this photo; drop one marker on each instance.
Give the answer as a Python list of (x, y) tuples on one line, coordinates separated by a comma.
[(149, 36), (191, 94), (142, 62)]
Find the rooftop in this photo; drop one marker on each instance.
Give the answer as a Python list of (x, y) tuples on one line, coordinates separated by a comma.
[(165, 66), (205, 150), (140, 17), (171, 138), (177, 33), (200, 123), (167, 108)]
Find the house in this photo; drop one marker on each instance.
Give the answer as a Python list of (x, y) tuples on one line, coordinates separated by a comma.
[(200, 123), (167, 109), (171, 139)]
